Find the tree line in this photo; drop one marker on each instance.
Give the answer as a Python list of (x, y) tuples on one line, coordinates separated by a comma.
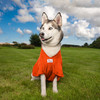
[(34, 40), (94, 44)]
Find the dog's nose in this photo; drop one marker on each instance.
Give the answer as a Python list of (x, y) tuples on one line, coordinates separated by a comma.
[(41, 34)]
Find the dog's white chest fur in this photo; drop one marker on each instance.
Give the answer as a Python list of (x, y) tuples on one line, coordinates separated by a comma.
[(51, 51)]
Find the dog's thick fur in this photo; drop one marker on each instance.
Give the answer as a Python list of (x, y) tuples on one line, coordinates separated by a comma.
[(50, 36)]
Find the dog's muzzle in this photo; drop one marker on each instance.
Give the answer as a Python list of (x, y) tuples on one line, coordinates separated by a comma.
[(42, 37), (41, 34)]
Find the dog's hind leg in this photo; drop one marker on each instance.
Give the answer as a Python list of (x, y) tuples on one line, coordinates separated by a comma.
[(34, 78), (43, 85), (55, 85)]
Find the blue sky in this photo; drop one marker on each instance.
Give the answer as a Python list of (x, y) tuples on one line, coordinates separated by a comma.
[(21, 18), (9, 26)]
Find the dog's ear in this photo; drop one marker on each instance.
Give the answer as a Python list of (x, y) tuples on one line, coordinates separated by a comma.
[(44, 17), (58, 19)]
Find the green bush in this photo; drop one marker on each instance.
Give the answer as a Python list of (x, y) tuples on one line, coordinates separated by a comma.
[(7, 45), (25, 46), (21, 45)]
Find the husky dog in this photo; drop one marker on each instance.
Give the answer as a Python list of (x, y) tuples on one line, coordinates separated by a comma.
[(50, 36)]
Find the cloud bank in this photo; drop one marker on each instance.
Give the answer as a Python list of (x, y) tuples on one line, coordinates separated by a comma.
[(85, 26)]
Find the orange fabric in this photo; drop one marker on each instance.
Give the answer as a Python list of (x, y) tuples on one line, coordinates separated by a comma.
[(50, 66)]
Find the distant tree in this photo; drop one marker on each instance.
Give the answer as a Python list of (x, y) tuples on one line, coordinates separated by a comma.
[(34, 40), (85, 45), (15, 43), (96, 43)]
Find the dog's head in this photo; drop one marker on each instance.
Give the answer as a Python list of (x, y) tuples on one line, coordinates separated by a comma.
[(50, 30)]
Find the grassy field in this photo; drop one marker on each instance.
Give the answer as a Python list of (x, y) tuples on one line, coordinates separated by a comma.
[(81, 67)]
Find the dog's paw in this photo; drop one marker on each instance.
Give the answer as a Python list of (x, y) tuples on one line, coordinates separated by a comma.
[(43, 94), (32, 79), (55, 91)]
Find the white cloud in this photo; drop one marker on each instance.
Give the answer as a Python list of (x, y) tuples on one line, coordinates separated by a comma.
[(9, 24), (23, 13), (50, 11), (82, 9), (20, 31), (1, 31), (38, 8), (10, 8), (19, 3), (86, 13), (24, 16), (28, 31), (38, 28), (82, 30)]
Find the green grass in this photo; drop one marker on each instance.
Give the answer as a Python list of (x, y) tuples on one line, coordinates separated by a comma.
[(81, 67)]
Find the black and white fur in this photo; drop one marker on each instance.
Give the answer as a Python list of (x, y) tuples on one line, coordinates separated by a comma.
[(50, 36)]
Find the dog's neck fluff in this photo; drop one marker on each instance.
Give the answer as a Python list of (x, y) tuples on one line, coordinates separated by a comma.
[(51, 50)]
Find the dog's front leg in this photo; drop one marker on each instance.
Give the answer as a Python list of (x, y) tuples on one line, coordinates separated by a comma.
[(55, 85), (43, 85)]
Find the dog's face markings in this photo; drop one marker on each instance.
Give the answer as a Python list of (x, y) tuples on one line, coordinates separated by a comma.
[(53, 25), (51, 29)]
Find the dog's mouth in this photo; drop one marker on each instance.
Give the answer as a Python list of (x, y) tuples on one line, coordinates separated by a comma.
[(43, 39)]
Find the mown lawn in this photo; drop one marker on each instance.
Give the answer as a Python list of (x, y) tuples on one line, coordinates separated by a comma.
[(81, 67)]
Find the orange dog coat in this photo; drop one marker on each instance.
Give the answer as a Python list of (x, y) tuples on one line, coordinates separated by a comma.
[(50, 66)]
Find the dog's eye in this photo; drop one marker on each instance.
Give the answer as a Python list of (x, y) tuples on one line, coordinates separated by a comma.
[(50, 28), (43, 28)]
